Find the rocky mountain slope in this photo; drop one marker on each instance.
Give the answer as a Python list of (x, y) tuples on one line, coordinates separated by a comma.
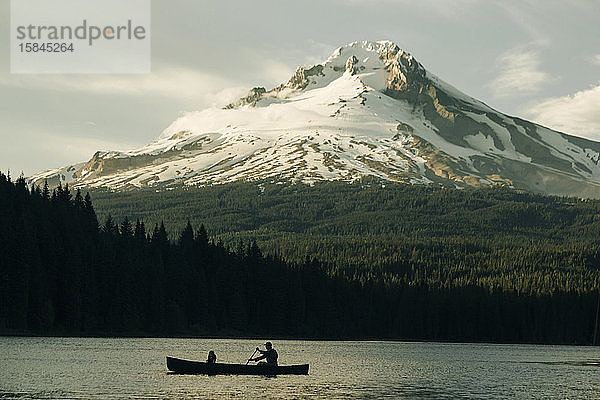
[(369, 110)]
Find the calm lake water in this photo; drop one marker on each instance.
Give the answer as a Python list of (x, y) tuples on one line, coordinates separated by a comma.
[(90, 368)]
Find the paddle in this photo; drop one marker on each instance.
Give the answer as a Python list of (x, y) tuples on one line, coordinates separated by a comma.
[(252, 356)]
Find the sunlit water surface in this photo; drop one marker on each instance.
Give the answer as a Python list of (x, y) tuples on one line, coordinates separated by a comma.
[(91, 368)]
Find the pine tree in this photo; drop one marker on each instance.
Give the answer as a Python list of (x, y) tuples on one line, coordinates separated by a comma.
[(126, 231), (140, 231), (186, 237), (78, 201), (46, 191), (91, 220), (109, 227)]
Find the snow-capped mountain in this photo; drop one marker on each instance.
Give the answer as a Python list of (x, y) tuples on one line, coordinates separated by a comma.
[(370, 109)]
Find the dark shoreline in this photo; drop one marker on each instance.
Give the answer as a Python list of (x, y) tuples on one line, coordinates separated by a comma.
[(276, 337)]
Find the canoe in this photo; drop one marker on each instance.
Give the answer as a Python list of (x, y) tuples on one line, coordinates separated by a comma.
[(195, 367)]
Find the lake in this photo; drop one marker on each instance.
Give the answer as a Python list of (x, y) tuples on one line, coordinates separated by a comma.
[(116, 368)]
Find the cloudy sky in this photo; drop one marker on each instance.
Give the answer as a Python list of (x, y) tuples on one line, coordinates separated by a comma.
[(537, 59)]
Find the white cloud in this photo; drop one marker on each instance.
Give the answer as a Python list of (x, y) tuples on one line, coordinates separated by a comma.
[(264, 65), (577, 114), (443, 8), (46, 149), (520, 74), (174, 83), (185, 84), (526, 15), (596, 59), (73, 149)]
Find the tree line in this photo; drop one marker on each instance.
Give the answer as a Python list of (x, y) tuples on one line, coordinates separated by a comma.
[(63, 272)]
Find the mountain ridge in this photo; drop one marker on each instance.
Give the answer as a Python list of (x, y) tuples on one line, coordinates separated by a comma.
[(370, 109)]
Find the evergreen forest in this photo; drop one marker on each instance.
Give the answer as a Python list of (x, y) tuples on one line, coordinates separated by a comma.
[(329, 261)]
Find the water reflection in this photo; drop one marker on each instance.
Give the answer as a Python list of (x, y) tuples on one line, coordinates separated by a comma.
[(43, 368)]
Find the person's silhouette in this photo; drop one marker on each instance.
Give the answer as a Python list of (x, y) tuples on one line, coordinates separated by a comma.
[(269, 355), (212, 357)]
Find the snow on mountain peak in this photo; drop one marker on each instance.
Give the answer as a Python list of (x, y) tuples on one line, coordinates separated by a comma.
[(370, 109), (377, 64)]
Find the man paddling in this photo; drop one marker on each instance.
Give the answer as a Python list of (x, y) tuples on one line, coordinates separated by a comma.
[(270, 355)]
